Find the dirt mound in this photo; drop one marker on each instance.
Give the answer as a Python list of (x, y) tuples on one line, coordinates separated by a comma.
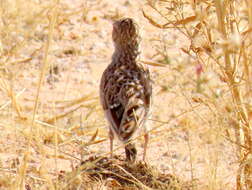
[(117, 174)]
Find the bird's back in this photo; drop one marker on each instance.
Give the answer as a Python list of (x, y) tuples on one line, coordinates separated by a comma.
[(125, 93)]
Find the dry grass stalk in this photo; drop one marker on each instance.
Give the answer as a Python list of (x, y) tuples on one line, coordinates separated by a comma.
[(219, 35), (227, 48), (20, 184)]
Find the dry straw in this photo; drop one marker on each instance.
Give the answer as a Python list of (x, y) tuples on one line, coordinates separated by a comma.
[(222, 30), (219, 36)]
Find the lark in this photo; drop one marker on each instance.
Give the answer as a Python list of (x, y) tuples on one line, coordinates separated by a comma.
[(125, 89)]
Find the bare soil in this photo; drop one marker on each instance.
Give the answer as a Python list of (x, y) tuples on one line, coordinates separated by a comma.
[(69, 127)]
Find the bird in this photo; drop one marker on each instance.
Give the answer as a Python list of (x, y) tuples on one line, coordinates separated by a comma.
[(126, 89)]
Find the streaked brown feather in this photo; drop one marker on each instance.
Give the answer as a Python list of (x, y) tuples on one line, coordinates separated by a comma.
[(125, 89)]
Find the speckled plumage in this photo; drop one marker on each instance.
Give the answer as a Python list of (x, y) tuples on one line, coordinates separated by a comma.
[(125, 88)]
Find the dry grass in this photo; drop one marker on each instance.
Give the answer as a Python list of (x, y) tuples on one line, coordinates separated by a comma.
[(220, 42), (52, 54)]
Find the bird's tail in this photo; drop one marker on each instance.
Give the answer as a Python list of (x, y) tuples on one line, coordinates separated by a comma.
[(133, 118), (130, 151)]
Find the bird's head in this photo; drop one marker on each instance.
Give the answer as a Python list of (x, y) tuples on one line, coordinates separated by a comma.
[(125, 33)]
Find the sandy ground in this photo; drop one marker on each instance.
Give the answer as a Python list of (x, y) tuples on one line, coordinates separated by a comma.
[(183, 141)]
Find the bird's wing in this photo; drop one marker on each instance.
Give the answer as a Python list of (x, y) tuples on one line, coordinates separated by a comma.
[(110, 102), (126, 102)]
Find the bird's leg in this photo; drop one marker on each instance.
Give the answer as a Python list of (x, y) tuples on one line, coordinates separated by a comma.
[(146, 140), (111, 139), (131, 152)]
